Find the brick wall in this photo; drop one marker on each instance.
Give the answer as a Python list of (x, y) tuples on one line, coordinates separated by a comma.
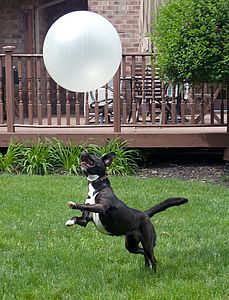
[(124, 15), (13, 24)]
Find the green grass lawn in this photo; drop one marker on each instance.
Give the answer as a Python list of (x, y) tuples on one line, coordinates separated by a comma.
[(41, 259)]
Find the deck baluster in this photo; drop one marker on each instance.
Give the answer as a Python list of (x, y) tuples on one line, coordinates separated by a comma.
[(96, 107), (124, 91), (116, 104), (20, 93), (193, 105), (106, 108), (153, 109), (163, 110), (68, 115), (1, 95), (182, 105), (29, 86), (153, 104), (58, 104), (202, 104), (86, 112), (222, 105), (143, 91), (39, 103), (134, 106), (77, 108), (49, 104), (212, 105), (173, 105)]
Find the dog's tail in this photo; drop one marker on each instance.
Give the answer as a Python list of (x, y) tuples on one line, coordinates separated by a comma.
[(164, 205)]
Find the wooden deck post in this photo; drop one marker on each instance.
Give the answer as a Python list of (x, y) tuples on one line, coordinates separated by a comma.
[(116, 104), (9, 79)]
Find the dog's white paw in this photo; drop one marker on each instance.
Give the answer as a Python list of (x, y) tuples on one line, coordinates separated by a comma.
[(70, 223), (71, 204)]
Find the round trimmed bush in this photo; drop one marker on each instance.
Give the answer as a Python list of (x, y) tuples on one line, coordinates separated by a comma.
[(191, 38)]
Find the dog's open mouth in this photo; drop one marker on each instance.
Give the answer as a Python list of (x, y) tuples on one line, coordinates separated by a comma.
[(87, 163)]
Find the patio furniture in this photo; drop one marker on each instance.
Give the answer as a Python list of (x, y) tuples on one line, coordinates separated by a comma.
[(147, 88), (150, 89), (101, 96)]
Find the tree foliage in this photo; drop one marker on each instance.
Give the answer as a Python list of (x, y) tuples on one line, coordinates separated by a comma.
[(191, 38)]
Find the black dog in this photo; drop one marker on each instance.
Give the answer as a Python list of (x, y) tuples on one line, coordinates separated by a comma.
[(111, 216)]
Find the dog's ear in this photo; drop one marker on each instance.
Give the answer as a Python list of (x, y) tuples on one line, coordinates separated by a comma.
[(108, 158)]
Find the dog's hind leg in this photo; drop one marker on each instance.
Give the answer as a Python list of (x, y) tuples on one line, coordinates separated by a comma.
[(148, 239), (150, 259), (132, 245)]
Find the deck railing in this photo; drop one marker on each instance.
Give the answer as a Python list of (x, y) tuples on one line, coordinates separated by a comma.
[(135, 97)]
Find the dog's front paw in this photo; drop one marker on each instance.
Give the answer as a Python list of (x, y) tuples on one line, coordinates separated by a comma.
[(71, 204), (70, 223)]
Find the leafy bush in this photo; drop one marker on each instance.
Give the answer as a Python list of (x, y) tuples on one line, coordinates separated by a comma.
[(11, 160), (49, 156), (37, 159), (65, 158), (192, 40)]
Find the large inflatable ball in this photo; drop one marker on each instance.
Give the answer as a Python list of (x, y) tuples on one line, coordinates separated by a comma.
[(82, 51)]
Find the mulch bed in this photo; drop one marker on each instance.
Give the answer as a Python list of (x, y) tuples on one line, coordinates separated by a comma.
[(215, 173)]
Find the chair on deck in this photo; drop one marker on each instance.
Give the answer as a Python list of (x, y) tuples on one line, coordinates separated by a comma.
[(179, 90), (148, 88), (151, 90), (102, 95)]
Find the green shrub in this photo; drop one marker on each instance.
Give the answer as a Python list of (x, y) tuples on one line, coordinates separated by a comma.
[(37, 159), (49, 156), (65, 158), (11, 160), (192, 40)]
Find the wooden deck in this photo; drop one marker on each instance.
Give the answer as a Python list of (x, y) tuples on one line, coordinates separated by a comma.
[(138, 109)]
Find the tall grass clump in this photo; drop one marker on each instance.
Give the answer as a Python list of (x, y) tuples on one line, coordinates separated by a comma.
[(65, 159), (10, 162), (37, 159)]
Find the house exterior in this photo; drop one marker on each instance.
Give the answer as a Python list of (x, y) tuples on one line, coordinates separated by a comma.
[(33, 106), (24, 24)]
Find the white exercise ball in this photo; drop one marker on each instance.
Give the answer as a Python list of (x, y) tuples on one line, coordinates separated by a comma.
[(82, 51)]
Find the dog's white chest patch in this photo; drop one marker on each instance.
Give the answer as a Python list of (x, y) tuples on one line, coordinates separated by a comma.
[(95, 216)]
